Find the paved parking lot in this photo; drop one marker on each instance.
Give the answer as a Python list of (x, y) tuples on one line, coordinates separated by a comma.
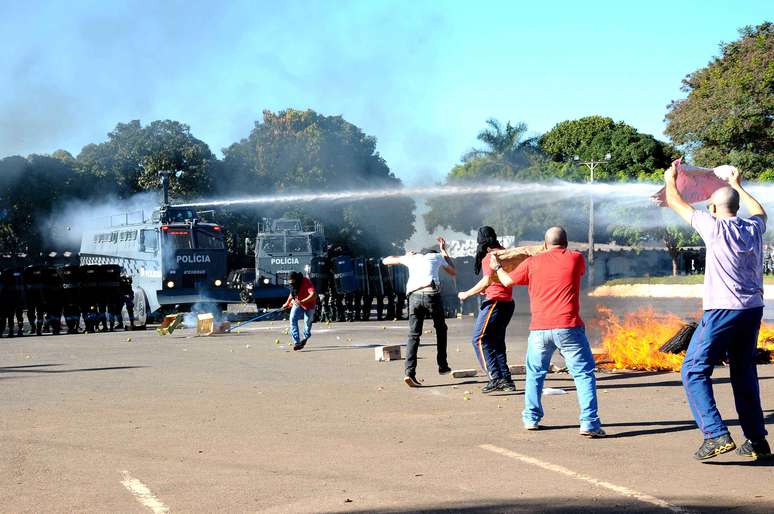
[(135, 422)]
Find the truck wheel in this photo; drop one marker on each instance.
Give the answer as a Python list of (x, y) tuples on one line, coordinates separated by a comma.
[(245, 296), (141, 309)]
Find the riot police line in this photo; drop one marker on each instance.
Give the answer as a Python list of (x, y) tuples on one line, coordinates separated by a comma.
[(89, 298), (351, 288)]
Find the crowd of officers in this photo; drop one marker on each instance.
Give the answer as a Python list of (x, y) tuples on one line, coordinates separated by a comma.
[(348, 286), (352, 288), (93, 294)]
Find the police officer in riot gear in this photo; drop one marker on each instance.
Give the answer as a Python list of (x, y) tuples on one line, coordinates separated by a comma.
[(343, 278), (16, 294), (399, 279), (318, 275), (88, 297), (53, 294), (33, 286), (361, 289), (127, 298), (4, 306), (71, 284), (375, 290), (384, 291)]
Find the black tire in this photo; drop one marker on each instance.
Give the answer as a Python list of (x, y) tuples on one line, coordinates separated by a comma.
[(679, 342), (245, 296)]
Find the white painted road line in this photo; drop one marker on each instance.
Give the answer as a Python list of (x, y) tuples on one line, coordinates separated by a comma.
[(143, 494), (623, 491)]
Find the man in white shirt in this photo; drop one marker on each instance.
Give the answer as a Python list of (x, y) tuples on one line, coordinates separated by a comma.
[(423, 289)]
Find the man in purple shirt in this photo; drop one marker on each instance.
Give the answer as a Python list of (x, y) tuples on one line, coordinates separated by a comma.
[(733, 307)]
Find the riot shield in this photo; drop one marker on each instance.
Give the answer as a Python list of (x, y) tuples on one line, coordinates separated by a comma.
[(110, 294), (386, 279), (319, 273), (344, 275), (375, 279), (71, 296), (53, 296), (34, 285), (361, 275), (399, 279), (109, 282), (13, 287), (71, 284)]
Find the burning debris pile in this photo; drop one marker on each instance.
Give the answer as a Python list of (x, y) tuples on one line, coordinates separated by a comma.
[(633, 342)]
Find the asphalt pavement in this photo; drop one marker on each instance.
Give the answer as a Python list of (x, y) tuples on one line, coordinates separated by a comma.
[(136, 422)]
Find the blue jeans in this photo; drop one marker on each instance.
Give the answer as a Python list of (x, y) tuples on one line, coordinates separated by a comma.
[(575, 349), (721, 332), (296, 314), (489, 338)]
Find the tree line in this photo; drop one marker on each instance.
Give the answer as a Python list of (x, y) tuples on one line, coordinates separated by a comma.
[(286, 151), (727, 116)]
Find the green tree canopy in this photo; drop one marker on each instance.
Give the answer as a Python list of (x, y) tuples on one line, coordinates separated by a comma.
[(507, 145), (295, 150), (546, 158), (129, 161), (633, 155), (29, 189), (728, 114)]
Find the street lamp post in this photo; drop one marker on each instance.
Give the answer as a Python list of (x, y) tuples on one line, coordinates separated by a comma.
[(591, 165)]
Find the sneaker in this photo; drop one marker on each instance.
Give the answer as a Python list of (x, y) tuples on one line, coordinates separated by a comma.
[(412, 381), (491, 386), (594, 433), (507, 386), (299, 346), (714, 446), (758, 449), (444, 370), (531, 425)]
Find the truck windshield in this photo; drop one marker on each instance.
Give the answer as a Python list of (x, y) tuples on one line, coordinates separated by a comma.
[(298, 244), (207, 241), (178, 215), (272, 245), (178, 239), (280, 225)]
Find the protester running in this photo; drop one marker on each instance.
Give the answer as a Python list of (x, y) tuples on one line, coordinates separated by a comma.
[(733, 308), (424, 294), (493, 317), (553, 279), (301, 302)]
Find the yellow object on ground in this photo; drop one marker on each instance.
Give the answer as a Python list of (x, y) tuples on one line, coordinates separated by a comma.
[(205, 324), (169, 324)]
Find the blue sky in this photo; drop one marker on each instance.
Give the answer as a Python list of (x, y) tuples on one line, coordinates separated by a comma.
[(420, 76)]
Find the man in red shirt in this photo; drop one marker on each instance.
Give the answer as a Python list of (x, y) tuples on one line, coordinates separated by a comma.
[(553, 279), (301, 302)]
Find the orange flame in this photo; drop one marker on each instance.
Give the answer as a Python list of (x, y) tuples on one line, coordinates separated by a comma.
[(632, 342)]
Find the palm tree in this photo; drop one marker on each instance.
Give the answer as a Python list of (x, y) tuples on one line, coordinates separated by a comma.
[(506, 144)]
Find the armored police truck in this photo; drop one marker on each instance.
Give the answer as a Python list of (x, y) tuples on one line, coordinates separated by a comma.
[(281, 247), (174, 258)]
